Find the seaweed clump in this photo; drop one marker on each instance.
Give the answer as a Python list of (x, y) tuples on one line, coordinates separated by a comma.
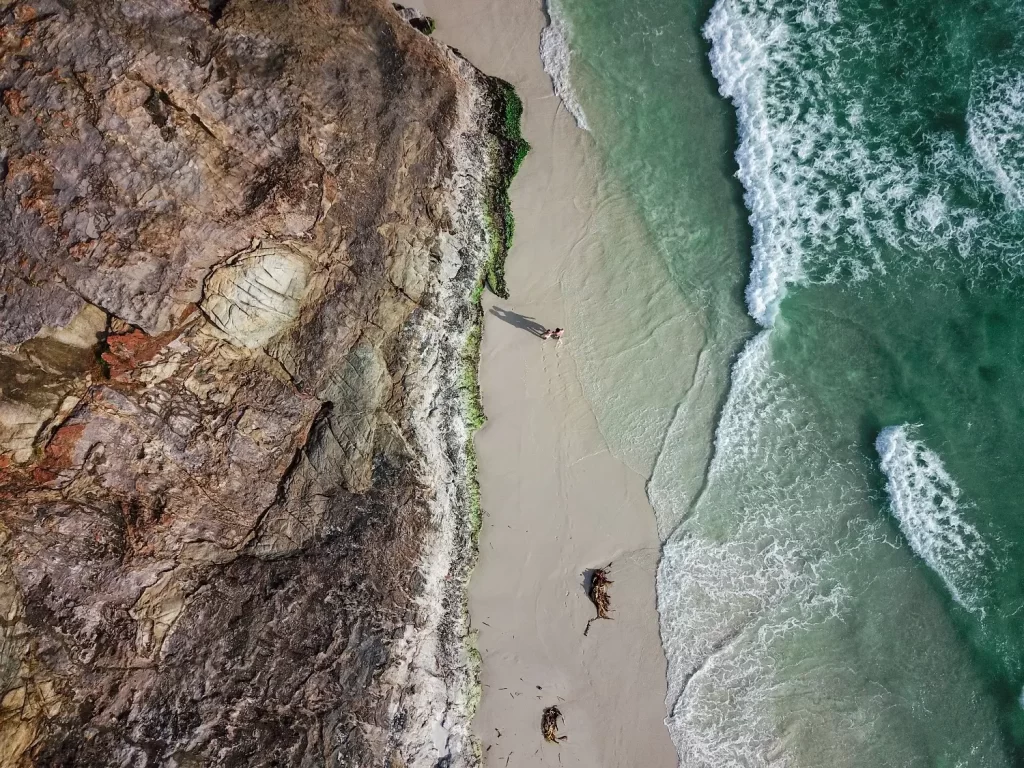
[(598, 594), (549, 725)]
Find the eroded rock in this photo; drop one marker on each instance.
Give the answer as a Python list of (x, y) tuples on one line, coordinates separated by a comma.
[(231, 291), (42, 378), (258, 294)]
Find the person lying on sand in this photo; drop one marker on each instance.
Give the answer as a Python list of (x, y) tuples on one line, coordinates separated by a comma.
[(553, 334)]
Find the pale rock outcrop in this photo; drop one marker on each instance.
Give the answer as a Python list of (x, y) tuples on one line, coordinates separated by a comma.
[(257, 294), (40, 379)]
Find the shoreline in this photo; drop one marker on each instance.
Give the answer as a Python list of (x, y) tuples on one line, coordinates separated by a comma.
[(436, 669), (555, 499)]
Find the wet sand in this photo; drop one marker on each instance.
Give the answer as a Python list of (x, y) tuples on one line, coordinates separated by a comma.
[(556, 501)]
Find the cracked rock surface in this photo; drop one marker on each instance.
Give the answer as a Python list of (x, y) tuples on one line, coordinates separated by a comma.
[(222, 227)]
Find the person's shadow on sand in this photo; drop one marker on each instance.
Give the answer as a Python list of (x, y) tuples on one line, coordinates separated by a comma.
[(516, 320)]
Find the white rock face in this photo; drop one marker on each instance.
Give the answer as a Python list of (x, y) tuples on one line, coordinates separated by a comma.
[(257, 295)]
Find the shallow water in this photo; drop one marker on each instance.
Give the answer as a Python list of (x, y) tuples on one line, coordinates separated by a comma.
[(842, 581)]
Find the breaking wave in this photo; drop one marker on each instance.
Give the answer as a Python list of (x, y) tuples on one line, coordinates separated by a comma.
[(556, 56), (835, 190), (927, 503)]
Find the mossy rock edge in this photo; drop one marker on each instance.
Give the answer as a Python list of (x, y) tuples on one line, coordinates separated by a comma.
[(511, 149)]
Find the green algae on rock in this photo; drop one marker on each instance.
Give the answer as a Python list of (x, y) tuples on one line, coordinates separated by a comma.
[(505, 151), (510, 151)]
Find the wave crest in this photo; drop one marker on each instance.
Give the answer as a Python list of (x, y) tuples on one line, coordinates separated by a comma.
[(836, 190), (995, 133), (927, 503)]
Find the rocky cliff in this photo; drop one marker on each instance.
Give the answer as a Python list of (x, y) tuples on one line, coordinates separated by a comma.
[(239, 247)]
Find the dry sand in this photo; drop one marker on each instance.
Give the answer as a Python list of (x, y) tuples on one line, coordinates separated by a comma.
[(556, 501)]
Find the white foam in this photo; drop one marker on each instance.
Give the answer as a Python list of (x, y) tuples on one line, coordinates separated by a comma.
[(928, 505), (755, 588), (556, 55), (830, 199), (745, 572), (740, 44), (765, 555), (995, 132)]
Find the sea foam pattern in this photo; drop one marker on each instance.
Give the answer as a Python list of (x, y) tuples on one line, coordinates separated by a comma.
[(748, 571), (836, 191), (928, 505), (761, 592), (995, 131), (556, 55)]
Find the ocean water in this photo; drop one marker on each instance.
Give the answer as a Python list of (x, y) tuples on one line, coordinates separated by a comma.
[(827, 199)]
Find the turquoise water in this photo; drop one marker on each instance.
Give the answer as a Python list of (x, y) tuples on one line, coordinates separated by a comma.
[(838, 187)]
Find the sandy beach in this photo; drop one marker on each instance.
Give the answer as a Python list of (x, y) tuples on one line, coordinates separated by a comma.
[(556, 500)]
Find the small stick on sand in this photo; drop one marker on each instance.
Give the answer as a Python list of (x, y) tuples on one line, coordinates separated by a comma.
[(549, 725), (599, 596)]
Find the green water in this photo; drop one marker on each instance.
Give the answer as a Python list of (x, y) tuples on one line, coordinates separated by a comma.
[(844, 584), (674, 155)]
